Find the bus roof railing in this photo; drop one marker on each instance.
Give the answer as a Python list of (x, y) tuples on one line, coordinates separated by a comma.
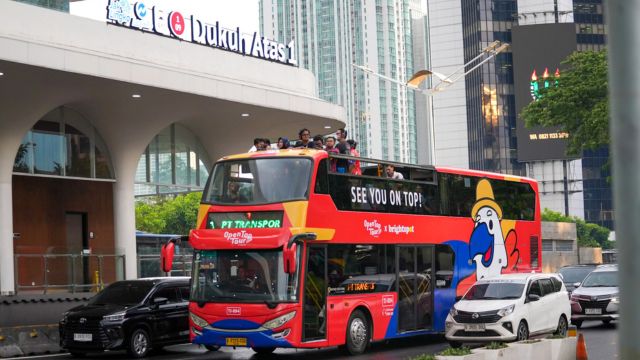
[(368, 163)]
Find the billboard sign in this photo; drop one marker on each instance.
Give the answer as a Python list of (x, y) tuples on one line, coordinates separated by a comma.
[(538, 51)]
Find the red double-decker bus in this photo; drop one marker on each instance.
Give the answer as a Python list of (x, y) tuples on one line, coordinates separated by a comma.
[(292, 250)]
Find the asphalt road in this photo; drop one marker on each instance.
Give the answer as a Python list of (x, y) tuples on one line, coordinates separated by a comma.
[(601, 340), (391, 350)]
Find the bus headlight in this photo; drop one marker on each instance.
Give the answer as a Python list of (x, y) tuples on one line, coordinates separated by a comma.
[(198, 321), (279, 321)]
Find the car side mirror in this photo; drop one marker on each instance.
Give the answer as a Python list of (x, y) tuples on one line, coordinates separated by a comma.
[(159, 301), (290, 259), (576, 284), (533, 297)]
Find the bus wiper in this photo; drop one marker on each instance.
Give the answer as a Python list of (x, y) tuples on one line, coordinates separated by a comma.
[(271, 304)]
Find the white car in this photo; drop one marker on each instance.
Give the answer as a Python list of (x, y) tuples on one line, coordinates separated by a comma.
[(509, 307)]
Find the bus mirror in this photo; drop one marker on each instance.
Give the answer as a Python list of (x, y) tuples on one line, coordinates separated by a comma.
[(166, 256), (289, 255)]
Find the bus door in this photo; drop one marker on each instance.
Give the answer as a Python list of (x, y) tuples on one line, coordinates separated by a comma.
[(314, 325), (415, 288)]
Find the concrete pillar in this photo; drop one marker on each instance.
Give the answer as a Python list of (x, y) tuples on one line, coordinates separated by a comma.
[(124, 216), (7, 281)]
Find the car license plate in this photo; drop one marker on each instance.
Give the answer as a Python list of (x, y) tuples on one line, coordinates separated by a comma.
[(82, 337), (593, 311), (474, 327), (236, 341)]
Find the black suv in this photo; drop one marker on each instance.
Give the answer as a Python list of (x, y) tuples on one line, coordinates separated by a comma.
[(572, 275), (136, 315)]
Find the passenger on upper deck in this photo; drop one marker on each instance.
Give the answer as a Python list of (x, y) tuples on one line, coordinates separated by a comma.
[(283, 143), (318, 142), (304, 136), (390, 172)]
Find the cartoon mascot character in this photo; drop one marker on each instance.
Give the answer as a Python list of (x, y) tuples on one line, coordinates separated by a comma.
[(487, 245)]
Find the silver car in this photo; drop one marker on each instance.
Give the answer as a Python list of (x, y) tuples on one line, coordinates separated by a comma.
[(597, 297)]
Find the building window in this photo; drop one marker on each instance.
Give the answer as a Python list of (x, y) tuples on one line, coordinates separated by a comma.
[(562, 245), (547, 245), (174, 162), (63, 143)]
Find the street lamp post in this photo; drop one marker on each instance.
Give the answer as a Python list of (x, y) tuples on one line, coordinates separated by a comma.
[(445, 81)]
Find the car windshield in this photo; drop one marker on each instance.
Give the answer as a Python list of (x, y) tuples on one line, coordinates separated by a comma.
[(259, 181), (242, 276), (123, 293), (601, 279), (495, 291), (575, 274)]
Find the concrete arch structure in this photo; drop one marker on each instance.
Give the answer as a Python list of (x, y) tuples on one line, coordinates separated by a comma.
[(50, 59)]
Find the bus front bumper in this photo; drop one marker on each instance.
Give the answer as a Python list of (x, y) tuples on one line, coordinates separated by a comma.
[(255, 338)]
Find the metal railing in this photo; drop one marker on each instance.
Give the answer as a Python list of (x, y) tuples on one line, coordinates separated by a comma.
[(149, 265), (44, 273)]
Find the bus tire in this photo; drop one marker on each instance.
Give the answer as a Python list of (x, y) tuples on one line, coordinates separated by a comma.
[(212, 347), (358, 333), (263, 350)]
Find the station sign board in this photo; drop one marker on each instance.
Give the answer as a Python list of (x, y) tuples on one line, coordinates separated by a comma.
[(143, 15)]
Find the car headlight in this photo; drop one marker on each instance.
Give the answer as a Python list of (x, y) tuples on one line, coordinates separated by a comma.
[(506, 310), (615, 300), (114, 317), (198, 321), (64, 317), (453, 312), (279, 321)]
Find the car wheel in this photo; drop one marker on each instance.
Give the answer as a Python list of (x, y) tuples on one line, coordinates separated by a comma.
[(139, 343), (455, 344), (212, 347), (606, 322), (358, 336), (523, 331), (76, 354), (263, 350), (562, 327), (577, 323)]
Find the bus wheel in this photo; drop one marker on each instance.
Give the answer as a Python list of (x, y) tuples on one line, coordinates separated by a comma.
[(358, 336), (263, 350), (212, 347)]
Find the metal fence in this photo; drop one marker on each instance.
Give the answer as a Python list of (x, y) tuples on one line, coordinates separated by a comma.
[(149, 265), (46, 273)]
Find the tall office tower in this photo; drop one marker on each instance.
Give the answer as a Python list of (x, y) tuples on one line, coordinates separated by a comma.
[(330, 36), (475, 120), (598, 197)]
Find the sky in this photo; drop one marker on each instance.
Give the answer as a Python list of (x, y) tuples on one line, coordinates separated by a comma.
[(230, 13)]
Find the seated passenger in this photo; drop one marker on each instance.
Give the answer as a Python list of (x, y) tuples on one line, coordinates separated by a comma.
[(390, 172), (233, 194)]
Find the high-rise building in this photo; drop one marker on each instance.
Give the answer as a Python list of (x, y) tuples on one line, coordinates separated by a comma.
[(332, 36)]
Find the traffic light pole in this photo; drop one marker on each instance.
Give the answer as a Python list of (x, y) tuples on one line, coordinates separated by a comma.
[(624, 90)]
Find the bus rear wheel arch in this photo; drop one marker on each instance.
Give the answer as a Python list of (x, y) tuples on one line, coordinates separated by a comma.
[(359, 331)]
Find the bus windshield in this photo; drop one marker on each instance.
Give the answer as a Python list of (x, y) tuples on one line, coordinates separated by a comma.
[(259, 181), (242, 276)]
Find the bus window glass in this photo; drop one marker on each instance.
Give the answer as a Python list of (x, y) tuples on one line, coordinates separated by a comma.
[(259, 181), (355, 269), (242, 276), (445, 260)]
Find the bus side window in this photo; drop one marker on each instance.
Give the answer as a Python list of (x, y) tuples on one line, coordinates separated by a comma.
[(322, 182), (445, 260)]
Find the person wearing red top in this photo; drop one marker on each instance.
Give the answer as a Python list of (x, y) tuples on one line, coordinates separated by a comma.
[(355, 168)]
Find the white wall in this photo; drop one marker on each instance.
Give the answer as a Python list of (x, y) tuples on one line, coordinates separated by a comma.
[(449, 106)]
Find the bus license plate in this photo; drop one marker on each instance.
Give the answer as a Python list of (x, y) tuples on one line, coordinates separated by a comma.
[(236, 342), (593, 311), (474, 327), (82, 337)]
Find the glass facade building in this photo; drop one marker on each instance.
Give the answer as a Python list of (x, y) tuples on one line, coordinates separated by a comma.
[(490, 96), (331, 36)]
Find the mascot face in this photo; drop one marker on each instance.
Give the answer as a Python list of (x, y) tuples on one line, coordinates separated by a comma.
[(487, 244)]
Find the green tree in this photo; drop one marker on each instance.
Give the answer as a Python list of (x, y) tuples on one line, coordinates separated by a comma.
[(579, 104), (164, 215), (589, 235)]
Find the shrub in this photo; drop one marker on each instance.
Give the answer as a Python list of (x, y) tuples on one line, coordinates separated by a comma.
[(495, 345), (423, 357), (456, 352)]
